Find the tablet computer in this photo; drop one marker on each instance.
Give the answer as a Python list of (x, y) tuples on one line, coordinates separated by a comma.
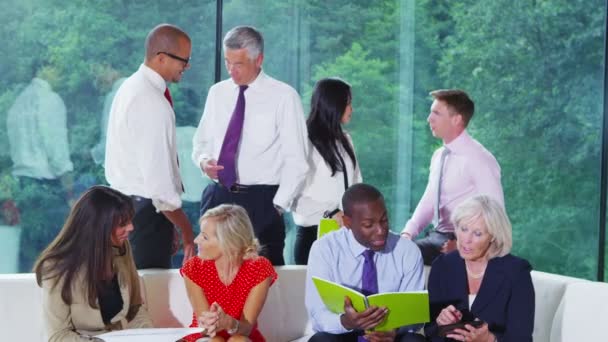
[(444, 330)]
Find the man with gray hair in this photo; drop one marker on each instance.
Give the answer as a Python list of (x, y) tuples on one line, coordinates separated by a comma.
[(141, 149), (251, 141)]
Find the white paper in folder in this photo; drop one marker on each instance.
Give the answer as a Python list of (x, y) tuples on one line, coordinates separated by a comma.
[(149, 335)]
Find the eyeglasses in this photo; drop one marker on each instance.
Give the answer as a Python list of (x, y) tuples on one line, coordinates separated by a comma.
[(181, 59)]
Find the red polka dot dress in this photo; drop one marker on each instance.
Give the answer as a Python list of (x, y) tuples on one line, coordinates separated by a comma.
[(230, 297)]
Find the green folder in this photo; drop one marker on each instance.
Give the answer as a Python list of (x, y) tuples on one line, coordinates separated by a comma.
[(404, 308), (326, 225)]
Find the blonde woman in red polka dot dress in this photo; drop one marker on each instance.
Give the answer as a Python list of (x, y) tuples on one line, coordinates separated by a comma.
[(228, 282)]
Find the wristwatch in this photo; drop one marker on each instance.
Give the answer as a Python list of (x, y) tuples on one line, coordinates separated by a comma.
[(233, 330)]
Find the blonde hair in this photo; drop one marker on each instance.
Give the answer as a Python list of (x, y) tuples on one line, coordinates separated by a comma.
[(234, 232), (494, 217)]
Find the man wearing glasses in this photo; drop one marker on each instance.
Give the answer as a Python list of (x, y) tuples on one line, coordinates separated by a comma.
[(141, 151)]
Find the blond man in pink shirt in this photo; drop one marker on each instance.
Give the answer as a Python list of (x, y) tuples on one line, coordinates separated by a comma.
[(460, 169)]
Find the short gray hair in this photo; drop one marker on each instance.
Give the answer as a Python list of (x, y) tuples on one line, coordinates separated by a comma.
[(245, 37), (494, 217)]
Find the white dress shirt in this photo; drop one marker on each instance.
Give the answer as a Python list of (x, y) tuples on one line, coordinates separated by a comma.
[(322, 191), (141, 155), (469, 170), (273, 144), (471, 300), (37, 133)]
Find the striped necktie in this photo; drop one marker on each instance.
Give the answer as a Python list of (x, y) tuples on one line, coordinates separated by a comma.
[(444, 154)]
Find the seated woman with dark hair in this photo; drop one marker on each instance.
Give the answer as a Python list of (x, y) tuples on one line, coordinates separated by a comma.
[(89, 281), (481, 281), (228, 282)]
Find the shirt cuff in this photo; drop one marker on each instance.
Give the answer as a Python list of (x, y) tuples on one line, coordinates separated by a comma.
[(200, 161), (281, 203), (332, 324), (410, 229), (340, 321), (164, 206)]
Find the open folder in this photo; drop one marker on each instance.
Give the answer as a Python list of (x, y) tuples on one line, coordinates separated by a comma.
[(148, 335), (326, 225), (404, 308)]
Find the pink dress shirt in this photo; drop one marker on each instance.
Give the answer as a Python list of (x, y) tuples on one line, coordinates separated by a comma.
[(469, 170)]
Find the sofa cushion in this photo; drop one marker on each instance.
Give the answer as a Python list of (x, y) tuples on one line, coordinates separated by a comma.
[(20, 308), (582, 314), (285, 303), (549, 289), (166, 298)]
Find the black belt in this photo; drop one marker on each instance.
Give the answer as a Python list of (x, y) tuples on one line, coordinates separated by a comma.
[(243, 189), (238, 188), (139, 198)]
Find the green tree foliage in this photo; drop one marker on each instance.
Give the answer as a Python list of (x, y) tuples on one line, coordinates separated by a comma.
[(86, 46), (368, 78), (535, 70)]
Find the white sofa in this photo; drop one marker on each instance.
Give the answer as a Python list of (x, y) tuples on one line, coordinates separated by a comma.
[(567, 309)]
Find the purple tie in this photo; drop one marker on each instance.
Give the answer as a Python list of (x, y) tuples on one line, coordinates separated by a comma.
[(369, 279), (227, 158)]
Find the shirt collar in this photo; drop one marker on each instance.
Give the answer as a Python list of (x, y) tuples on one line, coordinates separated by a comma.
[(355, 247), (39, 82), (256, 83), (154, 77), (460, 143)]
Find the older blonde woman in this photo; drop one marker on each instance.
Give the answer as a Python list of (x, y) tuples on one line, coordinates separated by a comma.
[(228, 282), (481, 281)]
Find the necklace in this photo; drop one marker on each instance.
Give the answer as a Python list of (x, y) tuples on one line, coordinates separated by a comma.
[(474, 275)]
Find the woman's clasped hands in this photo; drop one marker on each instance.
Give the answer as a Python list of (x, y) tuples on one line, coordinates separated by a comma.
[(215, 320)]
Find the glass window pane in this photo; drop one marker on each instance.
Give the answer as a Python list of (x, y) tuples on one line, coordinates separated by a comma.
[(61, 64), (534, 70)]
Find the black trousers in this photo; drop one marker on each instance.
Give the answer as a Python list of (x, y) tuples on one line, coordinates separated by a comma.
[(305, 236), (268, 225), (430, 246), (152, 237), (352, 337)]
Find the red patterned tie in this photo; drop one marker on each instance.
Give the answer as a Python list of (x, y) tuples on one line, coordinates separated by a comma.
[(168, 97)]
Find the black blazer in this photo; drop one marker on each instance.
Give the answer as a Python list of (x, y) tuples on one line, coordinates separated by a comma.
[(505, 299)]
